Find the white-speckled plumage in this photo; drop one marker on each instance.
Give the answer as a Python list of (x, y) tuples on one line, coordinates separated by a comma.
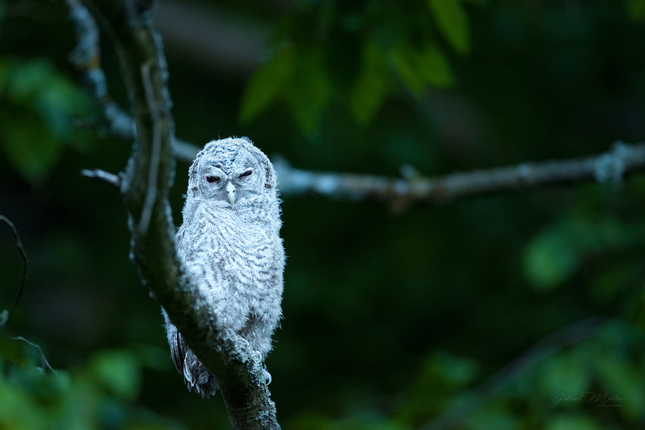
[(232, 249)]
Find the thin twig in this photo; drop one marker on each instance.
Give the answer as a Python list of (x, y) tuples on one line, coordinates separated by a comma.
[(86, 57), (25, 262), (101, 175), (44, 364), (568, 336)]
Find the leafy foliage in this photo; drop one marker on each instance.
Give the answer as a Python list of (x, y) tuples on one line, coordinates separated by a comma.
[(555, 254), (584, 387), (98, 396), (388, 49), (38, 108), (452, 20)]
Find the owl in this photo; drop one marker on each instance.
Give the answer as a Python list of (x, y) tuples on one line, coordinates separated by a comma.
[(230, 243)]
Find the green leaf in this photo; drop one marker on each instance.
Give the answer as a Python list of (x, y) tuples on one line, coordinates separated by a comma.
[(29, 144), (449, 370), (555, 254), (565, 374), (550, 259), (59, 103), (309, 92), (622, 384), (118, 371), (28, 79), (371, 87), (405, 62), (267, 82), (452, 20), (435, 68), (416, 69), (37, 85)]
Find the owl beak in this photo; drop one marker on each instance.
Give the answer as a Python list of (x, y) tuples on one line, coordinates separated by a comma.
[(230, 190)]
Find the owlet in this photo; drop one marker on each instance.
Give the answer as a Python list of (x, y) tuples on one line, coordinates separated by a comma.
[(230, 243)]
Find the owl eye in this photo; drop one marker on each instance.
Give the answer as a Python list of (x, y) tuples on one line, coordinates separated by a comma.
[(212, 179), (246, 174)]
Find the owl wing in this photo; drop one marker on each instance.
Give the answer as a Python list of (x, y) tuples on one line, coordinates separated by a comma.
[(196, 375), (177, 346)]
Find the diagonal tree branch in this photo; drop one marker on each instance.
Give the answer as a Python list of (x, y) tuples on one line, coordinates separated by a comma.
[(145, 186)]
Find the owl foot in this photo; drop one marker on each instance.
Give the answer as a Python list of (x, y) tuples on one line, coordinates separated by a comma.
[(265, 373), (267, 376)]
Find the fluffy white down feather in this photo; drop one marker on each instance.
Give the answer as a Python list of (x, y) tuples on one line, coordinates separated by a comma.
[(229, 241)]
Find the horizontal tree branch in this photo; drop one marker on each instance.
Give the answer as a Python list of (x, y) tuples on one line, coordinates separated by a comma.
[(145, 186), (610, 166)]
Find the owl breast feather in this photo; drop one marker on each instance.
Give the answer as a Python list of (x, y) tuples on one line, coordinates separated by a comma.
[(237, 266)]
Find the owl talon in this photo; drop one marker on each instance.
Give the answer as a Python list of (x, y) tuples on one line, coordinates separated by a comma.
[(267, 376)]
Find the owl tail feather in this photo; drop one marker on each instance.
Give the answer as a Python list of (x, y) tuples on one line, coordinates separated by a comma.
[(196, 375)]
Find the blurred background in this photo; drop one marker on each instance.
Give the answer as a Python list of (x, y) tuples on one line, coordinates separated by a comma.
[(392, 319)]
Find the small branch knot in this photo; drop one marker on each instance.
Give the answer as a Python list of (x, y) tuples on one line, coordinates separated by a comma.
[(611, 167), (409, 172)]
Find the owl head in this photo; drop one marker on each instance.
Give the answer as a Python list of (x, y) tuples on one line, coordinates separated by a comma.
[(231, 172)]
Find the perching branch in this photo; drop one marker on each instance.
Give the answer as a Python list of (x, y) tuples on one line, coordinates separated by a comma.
[(145, 186)]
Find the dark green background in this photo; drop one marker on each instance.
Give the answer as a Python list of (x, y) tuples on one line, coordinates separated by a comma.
[(390, 318)]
